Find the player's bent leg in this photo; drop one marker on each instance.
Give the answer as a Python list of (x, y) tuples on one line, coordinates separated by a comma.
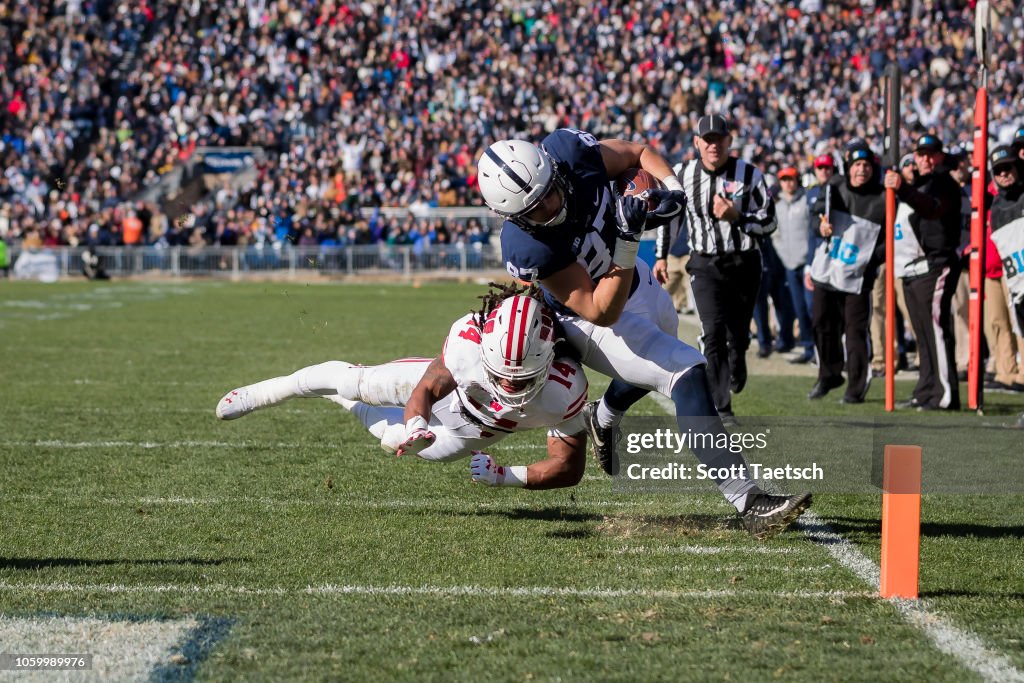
[(640, 356), (389, 384), (762, 514), (602, 419), (314, 380)]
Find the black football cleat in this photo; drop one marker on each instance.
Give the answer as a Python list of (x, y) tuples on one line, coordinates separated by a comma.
[(768, 514)]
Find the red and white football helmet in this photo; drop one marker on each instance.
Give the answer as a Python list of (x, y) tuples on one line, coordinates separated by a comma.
[(517, 346)]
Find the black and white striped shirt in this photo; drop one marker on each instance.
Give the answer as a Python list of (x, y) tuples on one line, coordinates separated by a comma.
[(737, 180)]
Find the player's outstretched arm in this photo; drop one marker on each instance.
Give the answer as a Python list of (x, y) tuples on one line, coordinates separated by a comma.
[(562, 468), (436, 383)]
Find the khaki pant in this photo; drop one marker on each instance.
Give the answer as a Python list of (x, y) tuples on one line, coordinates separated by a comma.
[(1002, 343), (961, 326), (878, 318), (678, 285)]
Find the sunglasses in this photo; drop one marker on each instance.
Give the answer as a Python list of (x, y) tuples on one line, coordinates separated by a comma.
[(1006, 169)]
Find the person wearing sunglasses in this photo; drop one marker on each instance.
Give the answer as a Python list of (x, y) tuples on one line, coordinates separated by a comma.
[(930, 281)]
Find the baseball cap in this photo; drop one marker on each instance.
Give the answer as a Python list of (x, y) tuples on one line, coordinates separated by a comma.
[(788, 172), (1018, 138), (907, 160), (1001, 156), (928, 143), (824, 161), (712, 124)]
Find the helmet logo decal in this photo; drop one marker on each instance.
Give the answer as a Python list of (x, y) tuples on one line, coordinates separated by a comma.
[(508, 169)]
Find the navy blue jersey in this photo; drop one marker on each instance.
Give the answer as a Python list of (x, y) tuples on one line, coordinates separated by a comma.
[(588, 233)]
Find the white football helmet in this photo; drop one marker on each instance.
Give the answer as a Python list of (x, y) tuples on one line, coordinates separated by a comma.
[(514, 177), (517, 346)]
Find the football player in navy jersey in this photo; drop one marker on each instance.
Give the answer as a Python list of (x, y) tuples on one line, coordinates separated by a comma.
[(567, 231)]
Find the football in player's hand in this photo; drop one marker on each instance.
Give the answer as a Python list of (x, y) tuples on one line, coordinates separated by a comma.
[(636, 180)]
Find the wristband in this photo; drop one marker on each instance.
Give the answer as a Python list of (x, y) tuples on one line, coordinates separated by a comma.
[(514, 476), (625, 253), (671, 182)]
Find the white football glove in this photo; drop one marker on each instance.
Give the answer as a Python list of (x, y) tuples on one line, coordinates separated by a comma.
[(417, 437), (394, 436), (485, 471), (407, 439)]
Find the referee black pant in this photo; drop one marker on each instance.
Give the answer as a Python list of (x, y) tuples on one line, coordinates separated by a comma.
[(834, 314), (929, 302), (725, 291)]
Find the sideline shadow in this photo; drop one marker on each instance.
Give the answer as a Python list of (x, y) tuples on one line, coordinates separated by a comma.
[(844, 525), (33, 563), (545, 514), (1001, 595)]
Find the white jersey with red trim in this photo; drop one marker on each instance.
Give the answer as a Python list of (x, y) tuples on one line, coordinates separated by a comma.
[(557, 406)]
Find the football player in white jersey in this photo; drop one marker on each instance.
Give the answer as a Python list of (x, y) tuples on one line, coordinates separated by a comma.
[(498, 373)]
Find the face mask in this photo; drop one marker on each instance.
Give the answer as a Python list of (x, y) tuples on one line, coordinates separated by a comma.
[(559, 217)]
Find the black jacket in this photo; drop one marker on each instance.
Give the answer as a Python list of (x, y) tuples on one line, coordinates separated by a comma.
[(935, 199), (1008, 206)]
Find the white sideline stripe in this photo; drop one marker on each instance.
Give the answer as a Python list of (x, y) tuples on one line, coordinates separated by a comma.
[(446, 591), (963, 645), (959, 643)]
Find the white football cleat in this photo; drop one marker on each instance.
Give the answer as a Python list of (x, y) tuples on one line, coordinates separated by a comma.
[(242, 401)]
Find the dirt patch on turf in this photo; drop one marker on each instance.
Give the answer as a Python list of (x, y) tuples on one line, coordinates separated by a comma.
[(631, 526)]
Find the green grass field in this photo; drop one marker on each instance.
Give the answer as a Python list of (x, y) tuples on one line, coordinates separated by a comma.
[(288, 545)]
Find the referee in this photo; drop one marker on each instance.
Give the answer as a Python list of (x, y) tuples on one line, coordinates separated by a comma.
[(727, 208)]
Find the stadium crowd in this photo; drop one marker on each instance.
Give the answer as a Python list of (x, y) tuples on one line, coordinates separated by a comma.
[(384, 104)]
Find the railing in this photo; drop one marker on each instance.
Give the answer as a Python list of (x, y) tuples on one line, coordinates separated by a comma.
[(284, 261)]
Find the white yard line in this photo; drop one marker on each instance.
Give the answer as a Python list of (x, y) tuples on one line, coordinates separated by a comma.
[(445, 591), (342, 501), (149, 445), (959, 643), (702, 550)]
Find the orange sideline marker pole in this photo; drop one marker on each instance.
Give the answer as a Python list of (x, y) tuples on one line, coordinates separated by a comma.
[(901, 522)]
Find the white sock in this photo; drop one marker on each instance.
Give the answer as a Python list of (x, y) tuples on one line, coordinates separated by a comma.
[(606, 417), (739, 492), (275, 390), (320, 380)]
